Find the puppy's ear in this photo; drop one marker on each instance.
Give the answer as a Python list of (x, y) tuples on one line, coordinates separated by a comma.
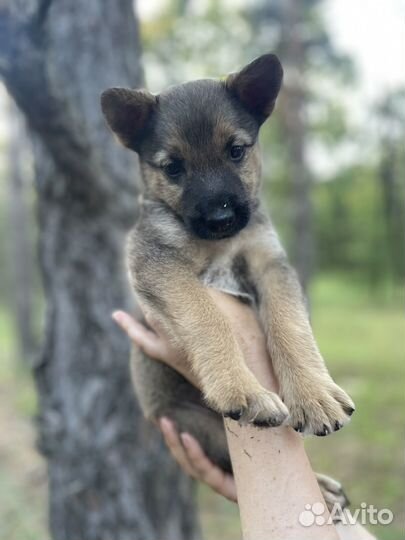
[(257, 85), (127, 113)]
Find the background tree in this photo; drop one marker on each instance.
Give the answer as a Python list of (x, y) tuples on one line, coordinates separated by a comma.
[(109, 476), (302, 40), (356, 296), (20, 237), (391, 173), (217, 40)]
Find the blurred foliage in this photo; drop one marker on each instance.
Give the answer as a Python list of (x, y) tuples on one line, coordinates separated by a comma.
[(353, 232), (359, 207), (359, 223)]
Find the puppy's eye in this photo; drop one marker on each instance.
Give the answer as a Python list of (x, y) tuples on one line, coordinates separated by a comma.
[(174, 169), (237, 152)]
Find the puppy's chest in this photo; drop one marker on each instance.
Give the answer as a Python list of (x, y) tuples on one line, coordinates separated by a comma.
[(230, 274)]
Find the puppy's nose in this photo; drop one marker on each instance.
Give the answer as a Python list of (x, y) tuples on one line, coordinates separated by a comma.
[(221, 218)]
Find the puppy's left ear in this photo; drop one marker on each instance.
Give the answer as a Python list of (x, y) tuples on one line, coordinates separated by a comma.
[(257, 85)]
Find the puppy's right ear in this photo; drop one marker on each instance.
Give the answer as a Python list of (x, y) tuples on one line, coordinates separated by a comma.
[(127, 113), (257, 85)]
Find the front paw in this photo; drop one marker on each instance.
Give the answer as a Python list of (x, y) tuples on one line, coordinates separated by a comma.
[(257, 406), (320, 407)]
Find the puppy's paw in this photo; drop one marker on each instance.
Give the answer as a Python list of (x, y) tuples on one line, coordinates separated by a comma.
[(332, 492), (248, 403), (262, 409), (319, 408)]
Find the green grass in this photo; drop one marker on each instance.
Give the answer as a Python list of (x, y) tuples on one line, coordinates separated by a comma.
[(362, 339), (14, 373), (22, 514), (22, 471), (361, 334)]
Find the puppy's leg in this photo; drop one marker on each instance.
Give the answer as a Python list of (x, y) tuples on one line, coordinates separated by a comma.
[(207, 427), (162, 391), (332, 492), (316, 404), (177, 300)]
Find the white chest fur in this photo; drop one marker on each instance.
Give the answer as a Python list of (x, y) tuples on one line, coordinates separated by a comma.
[(221, 276)]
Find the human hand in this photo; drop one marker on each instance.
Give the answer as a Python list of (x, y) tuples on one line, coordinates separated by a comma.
[(186, 450), (154, 343)]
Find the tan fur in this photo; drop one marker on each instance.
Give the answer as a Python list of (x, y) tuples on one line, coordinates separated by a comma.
[(194, 322), (313, 399), (157, 183)]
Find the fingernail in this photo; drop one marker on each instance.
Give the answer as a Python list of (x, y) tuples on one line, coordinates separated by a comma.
[(185, 439), (116, 315), (164, 423)]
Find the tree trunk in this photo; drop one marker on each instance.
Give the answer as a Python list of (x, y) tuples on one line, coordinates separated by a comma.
[(294, 124), (110, 477), (392, 201)]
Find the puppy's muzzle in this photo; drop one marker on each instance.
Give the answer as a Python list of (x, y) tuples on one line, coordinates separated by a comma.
[(219, 218)]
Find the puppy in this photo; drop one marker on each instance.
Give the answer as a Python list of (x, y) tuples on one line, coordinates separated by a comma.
[(201, 224)]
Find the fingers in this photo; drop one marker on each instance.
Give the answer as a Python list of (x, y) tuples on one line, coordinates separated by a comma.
[(206, 471), (173, 443), (190, 456), (146, 339)]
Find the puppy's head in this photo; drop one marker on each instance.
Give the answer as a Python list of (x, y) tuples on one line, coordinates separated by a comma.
[(197, 143)]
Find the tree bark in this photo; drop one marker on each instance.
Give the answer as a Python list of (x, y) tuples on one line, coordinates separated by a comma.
[(294, 124), (110, 477)]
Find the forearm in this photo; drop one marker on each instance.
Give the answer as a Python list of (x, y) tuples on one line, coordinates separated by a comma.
[(274, 478), (273, 475)]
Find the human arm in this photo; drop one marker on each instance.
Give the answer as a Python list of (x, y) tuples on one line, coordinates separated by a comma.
[(273, 476), (184, 448)]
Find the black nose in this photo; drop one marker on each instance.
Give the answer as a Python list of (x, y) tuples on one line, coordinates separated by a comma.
[(221, 218)]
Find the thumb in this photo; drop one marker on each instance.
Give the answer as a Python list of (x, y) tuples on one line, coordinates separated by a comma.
[(141, 336)]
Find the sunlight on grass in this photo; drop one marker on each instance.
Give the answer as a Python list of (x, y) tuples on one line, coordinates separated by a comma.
[(361, 338)]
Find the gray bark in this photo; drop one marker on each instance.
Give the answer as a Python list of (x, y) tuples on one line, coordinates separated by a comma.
[(110, 477)]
